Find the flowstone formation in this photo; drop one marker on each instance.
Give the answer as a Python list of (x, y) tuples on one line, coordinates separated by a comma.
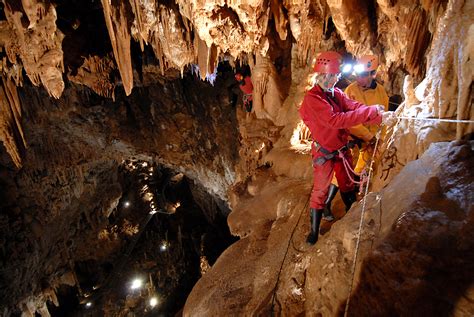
[(90, 88)]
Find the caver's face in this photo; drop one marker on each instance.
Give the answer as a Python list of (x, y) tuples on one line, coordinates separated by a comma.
[(364, 79), (329, 80)]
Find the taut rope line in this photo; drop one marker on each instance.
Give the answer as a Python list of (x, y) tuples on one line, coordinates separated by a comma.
[(354, 263)]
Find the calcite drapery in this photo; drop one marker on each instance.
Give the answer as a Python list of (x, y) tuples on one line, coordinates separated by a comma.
[(445, 92), (11, 131), (38, 45), (95, 73)]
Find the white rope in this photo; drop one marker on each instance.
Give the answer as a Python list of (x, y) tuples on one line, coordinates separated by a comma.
[(354, 263), (435, 119)]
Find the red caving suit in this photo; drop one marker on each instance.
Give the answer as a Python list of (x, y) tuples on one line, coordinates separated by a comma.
[(328, 120)]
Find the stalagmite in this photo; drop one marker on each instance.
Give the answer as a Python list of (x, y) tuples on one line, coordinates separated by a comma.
[(267, 96)]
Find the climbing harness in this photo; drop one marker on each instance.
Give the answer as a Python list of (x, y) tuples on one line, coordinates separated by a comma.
[(340, 154), (247, 98), (329, 155)]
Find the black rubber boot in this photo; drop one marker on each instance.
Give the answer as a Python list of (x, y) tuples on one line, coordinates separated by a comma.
[(315, 217), (327, 215), (349, 198)]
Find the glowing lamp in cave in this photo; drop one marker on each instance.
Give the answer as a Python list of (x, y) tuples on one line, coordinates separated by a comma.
[(126, 204), (136, 283), (347, 68), (88, 304), (164, 246), (153, 301)]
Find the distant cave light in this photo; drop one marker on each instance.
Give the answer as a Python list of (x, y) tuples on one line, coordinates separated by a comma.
[(153, 301), (136, 284), (210, 78), (164, 246), (301, 138)]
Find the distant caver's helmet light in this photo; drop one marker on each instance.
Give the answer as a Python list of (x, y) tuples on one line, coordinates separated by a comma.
[(366, 63)]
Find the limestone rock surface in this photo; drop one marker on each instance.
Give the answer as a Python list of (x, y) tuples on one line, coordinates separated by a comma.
[(409, 235)]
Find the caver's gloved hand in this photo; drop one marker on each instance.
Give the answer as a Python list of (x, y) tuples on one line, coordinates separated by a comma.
[(389, 118)]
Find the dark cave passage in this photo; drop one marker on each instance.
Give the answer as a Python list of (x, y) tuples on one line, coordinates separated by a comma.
[(164, 239)]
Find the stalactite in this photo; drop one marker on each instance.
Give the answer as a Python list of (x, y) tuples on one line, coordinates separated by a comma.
[(213, 57), (172, 38), (11, 131), (352, 23), (304, 16), (280, 19), (418, 39), (38, 45), (145, 20), (203, 57), (118, 25)]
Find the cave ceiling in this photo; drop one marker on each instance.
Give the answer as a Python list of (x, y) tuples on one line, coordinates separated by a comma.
[(104, 44)]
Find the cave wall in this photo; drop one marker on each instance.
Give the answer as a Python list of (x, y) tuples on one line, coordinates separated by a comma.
[(281, 275), (54, 207)]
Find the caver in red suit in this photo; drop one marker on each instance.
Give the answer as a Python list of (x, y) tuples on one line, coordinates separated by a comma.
[(245, 84), (328, 113)]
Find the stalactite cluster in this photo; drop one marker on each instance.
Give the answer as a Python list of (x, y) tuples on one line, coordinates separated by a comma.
[(11, 130), (183, 33)]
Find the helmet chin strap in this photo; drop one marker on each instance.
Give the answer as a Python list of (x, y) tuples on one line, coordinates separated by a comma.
[(326, 89), (324, 84), (331, 90)]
